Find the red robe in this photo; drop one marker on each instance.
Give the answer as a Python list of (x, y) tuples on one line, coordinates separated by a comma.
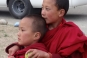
[(21, 53), (66, 40)]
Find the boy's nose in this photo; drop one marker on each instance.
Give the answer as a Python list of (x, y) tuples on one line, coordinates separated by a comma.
[(18, 33), (43, 13)]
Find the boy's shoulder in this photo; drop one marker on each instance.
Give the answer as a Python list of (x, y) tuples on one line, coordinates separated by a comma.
[(68, 23), (71, 26)]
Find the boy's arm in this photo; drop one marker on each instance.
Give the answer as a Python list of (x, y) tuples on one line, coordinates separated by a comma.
[(13, 48)]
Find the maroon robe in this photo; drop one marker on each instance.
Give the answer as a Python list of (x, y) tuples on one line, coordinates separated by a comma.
[(21, 53), (66, 40)]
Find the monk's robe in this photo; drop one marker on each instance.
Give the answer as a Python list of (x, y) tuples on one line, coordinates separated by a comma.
[(66, 41), (21, 53)]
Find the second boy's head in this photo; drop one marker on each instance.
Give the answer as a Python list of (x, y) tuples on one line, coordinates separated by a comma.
[(31, 29), (54, 10)]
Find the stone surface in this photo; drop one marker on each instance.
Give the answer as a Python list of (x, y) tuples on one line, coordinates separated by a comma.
[(3, 22)]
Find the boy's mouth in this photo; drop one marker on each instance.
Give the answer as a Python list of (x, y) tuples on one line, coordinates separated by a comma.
[(18, 39), (45, 18)]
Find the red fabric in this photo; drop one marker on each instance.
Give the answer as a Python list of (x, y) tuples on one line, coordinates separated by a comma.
[(21, 53), (13, 44), (66, 39)]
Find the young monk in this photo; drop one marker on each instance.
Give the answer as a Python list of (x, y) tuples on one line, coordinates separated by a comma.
[(31, 29), (63, 39)]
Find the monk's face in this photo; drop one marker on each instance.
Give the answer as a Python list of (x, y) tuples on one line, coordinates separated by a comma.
[(25, 34), (50, 12)]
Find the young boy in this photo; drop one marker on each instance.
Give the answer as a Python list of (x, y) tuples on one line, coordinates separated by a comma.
[(31, 29)]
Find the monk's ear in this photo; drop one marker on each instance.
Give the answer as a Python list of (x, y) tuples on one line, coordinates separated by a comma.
[(37, 36), (61, 12)]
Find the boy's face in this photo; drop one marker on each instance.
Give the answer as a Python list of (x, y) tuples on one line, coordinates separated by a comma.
[(50, 12), (25, 34)]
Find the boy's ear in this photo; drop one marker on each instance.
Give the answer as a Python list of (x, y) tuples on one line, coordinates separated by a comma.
[(61, 12), (37, 36)]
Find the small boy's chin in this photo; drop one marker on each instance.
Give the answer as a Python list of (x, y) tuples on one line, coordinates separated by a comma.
[(20, 43)]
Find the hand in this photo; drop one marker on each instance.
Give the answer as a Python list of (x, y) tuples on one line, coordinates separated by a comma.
[(11, 56), (34, 53), (13, 49)]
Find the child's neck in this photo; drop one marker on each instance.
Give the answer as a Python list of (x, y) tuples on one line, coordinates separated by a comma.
[(31, 44), (54, 25)]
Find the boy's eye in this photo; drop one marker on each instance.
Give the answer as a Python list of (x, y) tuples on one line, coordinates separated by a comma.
[(47, 9), (22, 30)]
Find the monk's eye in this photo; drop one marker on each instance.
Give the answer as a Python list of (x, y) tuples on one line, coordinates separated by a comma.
[(47, 9), (22, 30)]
